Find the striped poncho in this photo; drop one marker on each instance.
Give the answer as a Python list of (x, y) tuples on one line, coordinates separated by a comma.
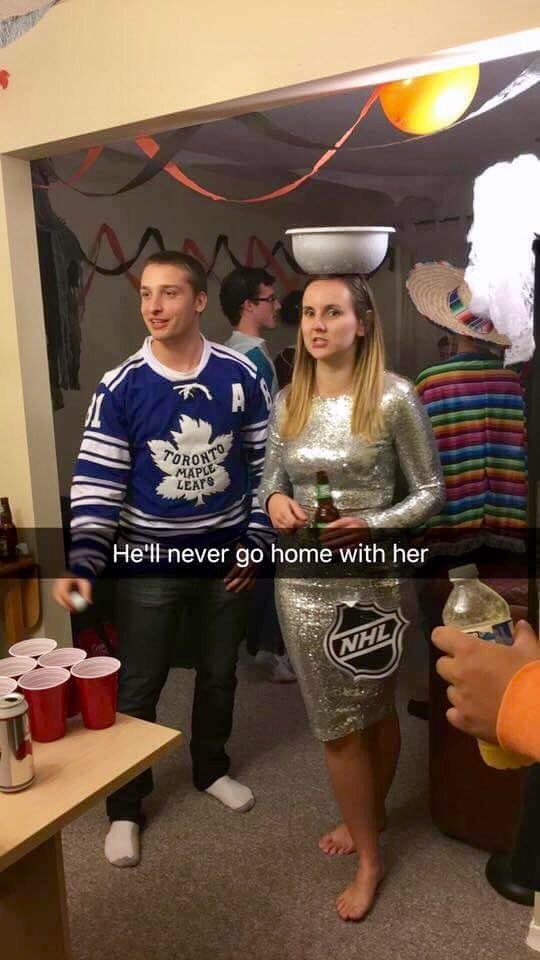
[(477, 412)]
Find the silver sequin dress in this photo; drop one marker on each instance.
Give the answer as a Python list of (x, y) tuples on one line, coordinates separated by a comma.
[(312, 610)]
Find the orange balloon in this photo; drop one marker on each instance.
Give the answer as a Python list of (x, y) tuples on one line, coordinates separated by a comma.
[(430, 103)]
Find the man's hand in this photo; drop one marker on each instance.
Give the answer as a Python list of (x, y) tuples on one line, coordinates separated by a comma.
[(478, 673), (344, 532), (240, 577), (64, 586), (285, 513)]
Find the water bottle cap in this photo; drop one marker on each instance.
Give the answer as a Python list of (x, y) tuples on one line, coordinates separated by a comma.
[(468, 572)]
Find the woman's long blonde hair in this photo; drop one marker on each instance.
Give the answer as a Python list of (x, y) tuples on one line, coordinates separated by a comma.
[(368, 372)]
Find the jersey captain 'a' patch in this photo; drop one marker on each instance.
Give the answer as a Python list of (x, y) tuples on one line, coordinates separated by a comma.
[(192, 462)]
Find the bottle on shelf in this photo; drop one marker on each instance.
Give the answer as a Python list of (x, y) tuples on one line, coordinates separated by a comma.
[(475, 608), (8, 532)]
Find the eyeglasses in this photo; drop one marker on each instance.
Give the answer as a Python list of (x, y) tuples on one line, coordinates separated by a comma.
[(271, 299)]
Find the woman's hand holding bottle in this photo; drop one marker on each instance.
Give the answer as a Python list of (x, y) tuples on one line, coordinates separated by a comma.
[(344, 532)]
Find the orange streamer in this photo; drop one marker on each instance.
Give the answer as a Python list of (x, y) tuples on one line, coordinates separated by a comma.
[(92, 154), (150, 147)]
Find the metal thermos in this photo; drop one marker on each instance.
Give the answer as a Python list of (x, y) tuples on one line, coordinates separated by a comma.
[(16, 761)]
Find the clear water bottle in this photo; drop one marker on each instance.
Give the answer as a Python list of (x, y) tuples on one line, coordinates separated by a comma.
[(475, 608)]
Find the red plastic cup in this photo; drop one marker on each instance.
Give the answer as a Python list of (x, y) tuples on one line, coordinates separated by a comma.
[(97, 686), (16, 666), (34, 647), (7, 685), (46, 692), (66, 657)]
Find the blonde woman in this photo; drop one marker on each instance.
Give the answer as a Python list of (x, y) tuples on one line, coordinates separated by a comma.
[(343, 414)]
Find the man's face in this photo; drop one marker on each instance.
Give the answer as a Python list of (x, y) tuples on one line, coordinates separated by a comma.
[(169, 306), (264, 310)]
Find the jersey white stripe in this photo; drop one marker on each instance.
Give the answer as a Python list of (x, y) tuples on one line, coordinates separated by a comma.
[(90, 522), (106, 450), (94, 435), (100, 481), (114, 378), (225, 353), (79, 490), (255, 426)]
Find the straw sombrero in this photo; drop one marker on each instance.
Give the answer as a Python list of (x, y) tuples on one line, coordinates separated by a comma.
[(439, 292)]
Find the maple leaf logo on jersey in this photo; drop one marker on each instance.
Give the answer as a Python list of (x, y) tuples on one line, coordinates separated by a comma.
[(187, 390), (192, 462)]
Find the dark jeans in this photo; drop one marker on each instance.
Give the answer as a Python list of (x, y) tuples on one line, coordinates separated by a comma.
[(148, 614)]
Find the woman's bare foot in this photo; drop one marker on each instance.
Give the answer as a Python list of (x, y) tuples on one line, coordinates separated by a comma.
[(339, 841), (357, 899)]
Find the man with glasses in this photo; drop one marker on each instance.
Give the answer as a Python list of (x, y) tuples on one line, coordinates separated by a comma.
[(249, 302)]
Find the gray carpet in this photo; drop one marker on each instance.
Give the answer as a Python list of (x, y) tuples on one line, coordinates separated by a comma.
[(213, 885)]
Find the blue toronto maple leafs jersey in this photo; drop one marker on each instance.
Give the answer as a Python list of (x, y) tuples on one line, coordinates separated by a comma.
[(171, 458)]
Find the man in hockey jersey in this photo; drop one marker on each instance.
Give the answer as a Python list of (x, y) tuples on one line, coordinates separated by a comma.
[(172, 452)]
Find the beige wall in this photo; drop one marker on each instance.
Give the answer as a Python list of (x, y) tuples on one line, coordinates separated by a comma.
[(92, 65)]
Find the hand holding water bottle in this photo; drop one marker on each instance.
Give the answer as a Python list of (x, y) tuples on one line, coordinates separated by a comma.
[(478, 612), (479, 674)]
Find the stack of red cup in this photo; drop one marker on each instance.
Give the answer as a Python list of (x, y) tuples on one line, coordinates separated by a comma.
[(64, 685)]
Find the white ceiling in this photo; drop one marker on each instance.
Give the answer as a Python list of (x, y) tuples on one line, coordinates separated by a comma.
[(461, 151)]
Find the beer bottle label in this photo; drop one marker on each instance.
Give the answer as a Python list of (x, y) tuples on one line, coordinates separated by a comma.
[(494, 632), (323, 491)]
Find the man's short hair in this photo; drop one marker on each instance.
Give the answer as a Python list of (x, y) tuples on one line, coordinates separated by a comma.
[(240, 285), (193, 268)]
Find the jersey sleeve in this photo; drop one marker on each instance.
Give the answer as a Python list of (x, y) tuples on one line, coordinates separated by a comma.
[(254, 431), (99, 485)]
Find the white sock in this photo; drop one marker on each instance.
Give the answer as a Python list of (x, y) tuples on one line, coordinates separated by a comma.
[(122, 843), (232, 794)]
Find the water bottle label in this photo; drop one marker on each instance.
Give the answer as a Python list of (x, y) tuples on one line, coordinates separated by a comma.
[(494, 632)]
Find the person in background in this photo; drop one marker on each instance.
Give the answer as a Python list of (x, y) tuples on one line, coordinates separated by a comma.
[(291, 308), (445, 347), (477, 411), (476, 407), (494, 689), (171, 454), (494, 694), (249, 302)]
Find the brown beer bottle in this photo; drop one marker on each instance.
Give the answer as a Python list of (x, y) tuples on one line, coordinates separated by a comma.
[(326, 509), (8, 532)]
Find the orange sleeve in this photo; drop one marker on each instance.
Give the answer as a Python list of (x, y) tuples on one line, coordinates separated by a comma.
[(518, 720)]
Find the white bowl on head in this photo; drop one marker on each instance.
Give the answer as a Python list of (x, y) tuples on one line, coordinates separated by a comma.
[(339, 249)]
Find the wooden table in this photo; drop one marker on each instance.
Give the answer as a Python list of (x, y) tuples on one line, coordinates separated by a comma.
[(19, 586), (71, 775)]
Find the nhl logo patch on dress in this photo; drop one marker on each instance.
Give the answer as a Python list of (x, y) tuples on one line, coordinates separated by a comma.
[(365, 641)]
